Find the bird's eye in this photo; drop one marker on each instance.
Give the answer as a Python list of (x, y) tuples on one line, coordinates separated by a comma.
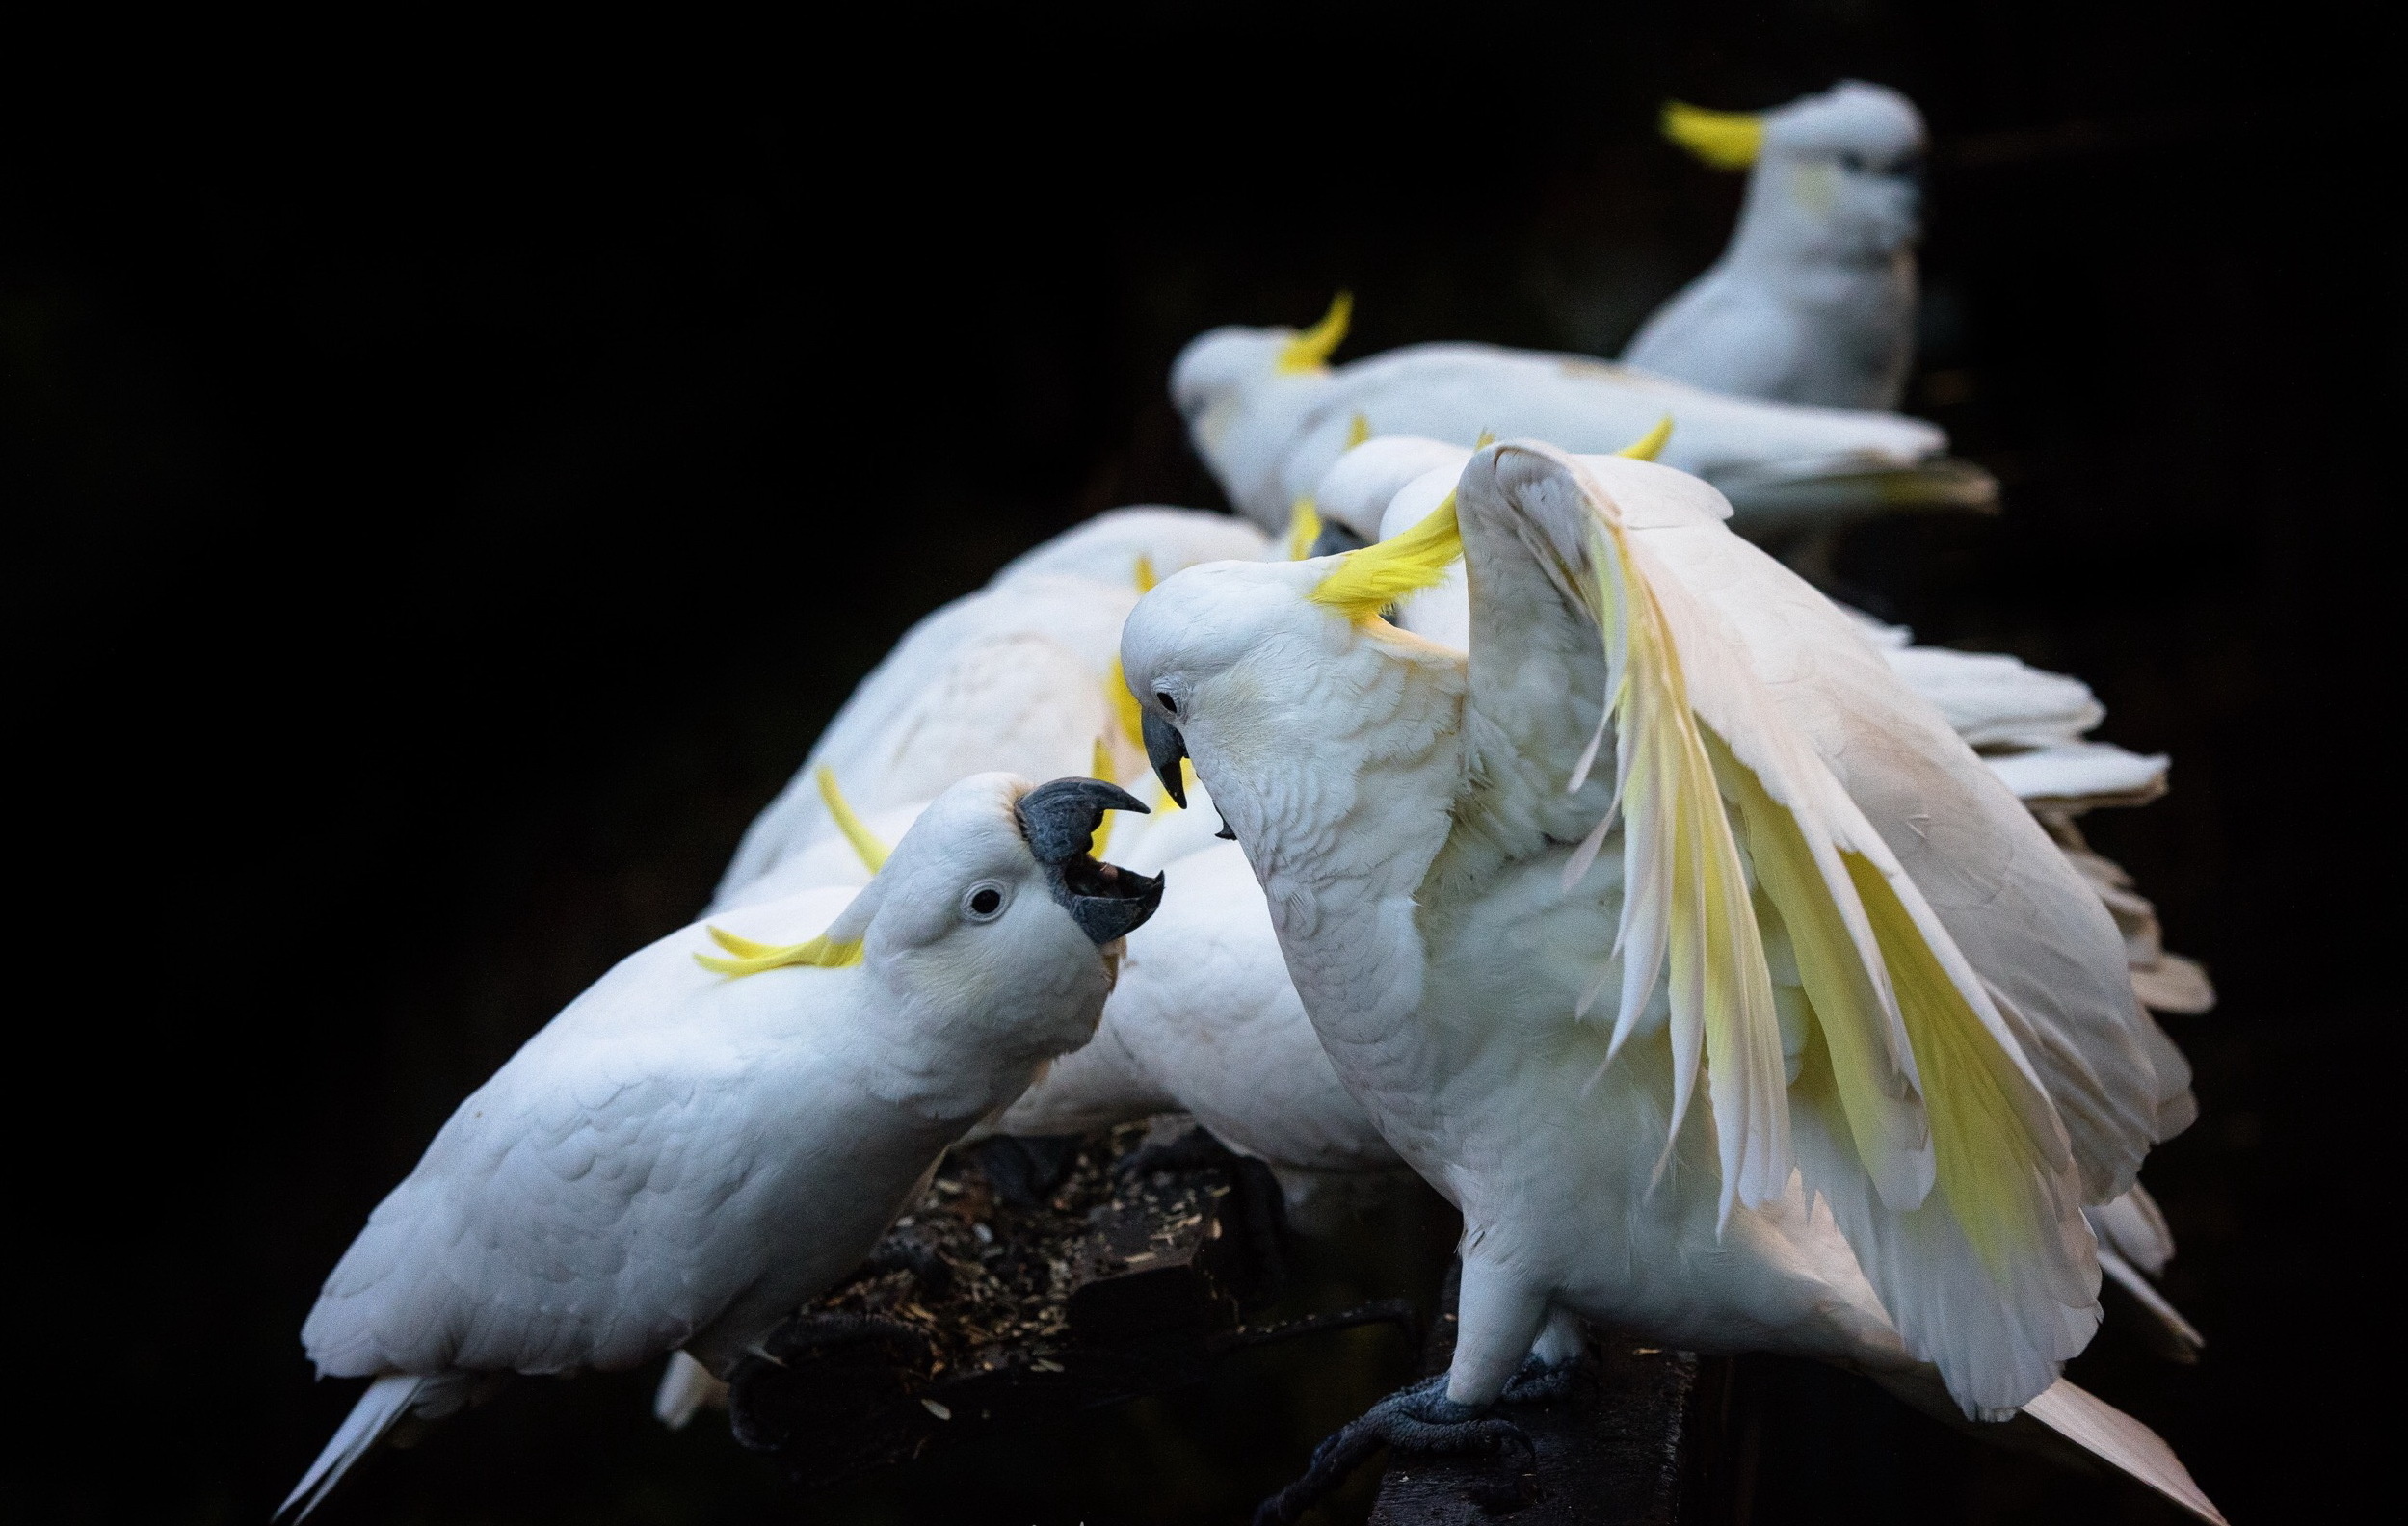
[(1170, 706), (983, 902)]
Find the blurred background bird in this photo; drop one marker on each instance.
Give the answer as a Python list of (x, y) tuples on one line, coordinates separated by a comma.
[(1269, 415), (1815, 299)]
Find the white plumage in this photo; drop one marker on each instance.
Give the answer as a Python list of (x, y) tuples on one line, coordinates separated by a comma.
[(682, 1156), (1815, 299), (1018, 678), (1903, 1016), (1203, 1018), (1269, 426)]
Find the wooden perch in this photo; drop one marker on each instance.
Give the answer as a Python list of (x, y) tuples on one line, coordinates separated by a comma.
[(1032, 1280)]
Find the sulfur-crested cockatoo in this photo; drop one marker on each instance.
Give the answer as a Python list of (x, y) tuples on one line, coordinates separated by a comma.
[(1270, 416), (1813, 300), (1203, 1020), (728, 1121), (1020, 676), (1677, 942)]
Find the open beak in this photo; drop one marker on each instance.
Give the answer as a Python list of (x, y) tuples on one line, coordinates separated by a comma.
[(1059, 820)]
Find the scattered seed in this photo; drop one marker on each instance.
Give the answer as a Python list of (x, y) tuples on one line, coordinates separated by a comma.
[(935, 1408)]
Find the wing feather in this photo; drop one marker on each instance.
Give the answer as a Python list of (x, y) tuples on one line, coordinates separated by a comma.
[(1944, 1157)]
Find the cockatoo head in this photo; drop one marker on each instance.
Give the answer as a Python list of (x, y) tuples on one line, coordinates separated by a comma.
[(1835, 174), (991, 908), (1266, 667), (1244, 391)]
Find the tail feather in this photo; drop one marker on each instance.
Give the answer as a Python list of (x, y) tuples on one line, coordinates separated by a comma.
[(685, 1390), (387, 1401), (2183, 1341), (2114, 1436)]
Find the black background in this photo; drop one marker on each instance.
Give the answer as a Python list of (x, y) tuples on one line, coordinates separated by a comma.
[(442, 510)]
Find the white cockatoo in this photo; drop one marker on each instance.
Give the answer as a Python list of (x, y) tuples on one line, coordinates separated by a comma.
[(1814, 301), (2027, 726), (1020, 676), (728, 1121), (1269, 416), (1863, 1045), (1203, 1019)]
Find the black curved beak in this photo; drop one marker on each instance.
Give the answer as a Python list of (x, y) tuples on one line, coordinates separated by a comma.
[(1059, 820), (1165, 749)]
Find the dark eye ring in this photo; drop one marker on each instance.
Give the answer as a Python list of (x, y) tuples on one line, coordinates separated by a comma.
[(985, 902), (1170, 706)]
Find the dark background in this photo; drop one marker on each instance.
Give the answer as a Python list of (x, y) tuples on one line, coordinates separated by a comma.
[(441, 513)]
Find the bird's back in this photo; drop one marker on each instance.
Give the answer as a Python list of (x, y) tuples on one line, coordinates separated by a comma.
[(603, 1197)]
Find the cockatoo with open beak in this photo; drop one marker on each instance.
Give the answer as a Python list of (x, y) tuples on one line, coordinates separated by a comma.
[(1021, 677), (1269, 415), (728, 1121), (1814, 301), (1679, 943)]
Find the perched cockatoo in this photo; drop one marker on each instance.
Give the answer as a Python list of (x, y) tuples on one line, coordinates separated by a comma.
[(2027, 726), (1203, 1020), (728, 1121), (1269, 415), (1671, 827), (1814, 301), (1020, 676)]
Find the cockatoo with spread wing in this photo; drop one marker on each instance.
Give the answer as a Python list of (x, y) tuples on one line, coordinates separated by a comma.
[(2026, 726), (1676, 942), (728, 1121), (2029, 726), (1814, 301), (1020, 676), (1269, 415)]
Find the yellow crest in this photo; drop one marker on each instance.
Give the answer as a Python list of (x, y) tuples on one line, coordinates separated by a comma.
[(750, 958), (1724, 139), (1304, 528), (1369, 580), (1650, 445), (865, 844), (1311, 351)]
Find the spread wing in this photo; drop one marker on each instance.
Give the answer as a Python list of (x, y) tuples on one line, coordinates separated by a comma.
[(1758, 892)]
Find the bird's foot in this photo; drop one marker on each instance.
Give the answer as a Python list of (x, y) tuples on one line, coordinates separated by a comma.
[(1541, 1382), (930, 1270), (1420, 1418)]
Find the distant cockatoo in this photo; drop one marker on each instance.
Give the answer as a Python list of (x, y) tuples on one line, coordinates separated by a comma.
[(1270, 416), (1020, 676), (1815, 299), (1671, 785), (728, 1121)]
